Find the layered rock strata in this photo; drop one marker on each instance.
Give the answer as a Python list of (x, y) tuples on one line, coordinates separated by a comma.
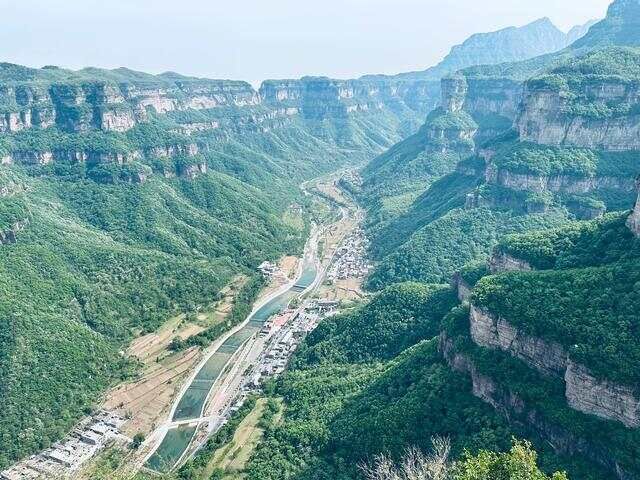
[(584, 392), (513, 407)]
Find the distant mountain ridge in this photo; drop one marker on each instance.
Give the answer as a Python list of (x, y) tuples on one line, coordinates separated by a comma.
[(509, 44), (620, 27)]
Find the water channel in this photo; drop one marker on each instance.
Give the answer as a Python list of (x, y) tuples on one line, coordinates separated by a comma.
[(192, 402)]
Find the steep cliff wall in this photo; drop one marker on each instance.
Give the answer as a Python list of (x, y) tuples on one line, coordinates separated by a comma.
[(320, 98), (529, 182), (491, 332), (634, 219), (582, 115), (492, 102), (503, 262), (109, 106), (518, 411), (584, 392)]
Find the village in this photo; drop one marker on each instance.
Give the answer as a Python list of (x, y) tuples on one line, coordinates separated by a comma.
[(65, 457), (350, 259), (262, 357)]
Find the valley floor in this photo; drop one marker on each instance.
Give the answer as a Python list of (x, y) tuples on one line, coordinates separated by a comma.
[(147, 401)]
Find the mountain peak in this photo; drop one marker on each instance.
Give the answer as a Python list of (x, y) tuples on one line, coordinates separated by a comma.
[(620, 27), (544, 21)]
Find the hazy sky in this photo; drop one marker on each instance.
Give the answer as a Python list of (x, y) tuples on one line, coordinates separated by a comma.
[(257, 39)]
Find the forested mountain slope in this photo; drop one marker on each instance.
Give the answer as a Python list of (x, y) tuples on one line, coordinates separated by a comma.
[(562, 145), (351, 397), (126, 198)]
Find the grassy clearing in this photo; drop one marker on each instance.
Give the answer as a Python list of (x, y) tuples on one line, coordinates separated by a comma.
[(233, 458)]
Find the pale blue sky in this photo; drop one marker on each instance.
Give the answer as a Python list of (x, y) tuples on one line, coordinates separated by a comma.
[(257, 39)]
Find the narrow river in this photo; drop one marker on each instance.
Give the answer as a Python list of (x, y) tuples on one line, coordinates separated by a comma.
[(192, 403)]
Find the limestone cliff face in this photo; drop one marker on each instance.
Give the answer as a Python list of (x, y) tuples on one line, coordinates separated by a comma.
[(584, 392), (634, 219), (320, 98), (493, 97), (192, 171), (573, 184), (553, 116), (461, 286), (78, 107), (492, 102), (492, 332), (503, 262), (600, 397), (511, 405)]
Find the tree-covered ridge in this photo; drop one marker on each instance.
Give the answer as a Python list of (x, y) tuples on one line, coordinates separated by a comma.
[(343, 409), (577, 82), (530, 158), (580, 244), (440, 119), (394, 320), (442, 247), (12, 73), (590, 311)]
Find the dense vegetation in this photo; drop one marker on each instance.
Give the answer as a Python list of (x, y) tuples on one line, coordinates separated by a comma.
[(110, 251), (591, 311), (345, 404), (578, 244), (95, 266), (530, 158), (442, 247)]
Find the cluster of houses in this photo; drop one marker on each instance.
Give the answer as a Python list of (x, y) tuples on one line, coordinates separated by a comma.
[(283, 334), (284, 341), (351, 258), (65, 457), (270, 270)]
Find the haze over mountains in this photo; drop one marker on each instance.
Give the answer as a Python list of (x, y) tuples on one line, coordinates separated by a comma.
[(497, 187), (507, 45)]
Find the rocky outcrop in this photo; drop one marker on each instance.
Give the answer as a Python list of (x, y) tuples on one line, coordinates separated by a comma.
[(461, 286), (10, 235), (192, 171), (454, 92), (584, 392), (634, 219), (587, 394), (503, 262), (32, 157), (570, 184), (493, 332), (188, 150), (493, 103), (585, 209), (552, 116), (511, 406)]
